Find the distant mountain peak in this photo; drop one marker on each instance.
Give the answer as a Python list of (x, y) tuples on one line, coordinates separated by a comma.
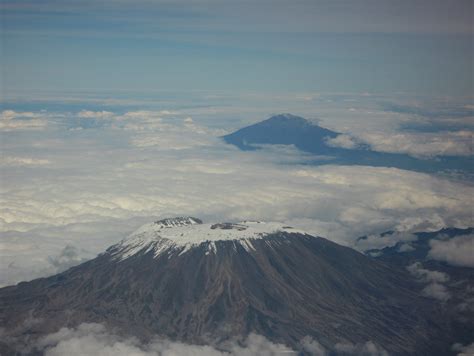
[(177, 221), (183, 233), (283, 129), (288, 119), (309, 137), (287, 116)]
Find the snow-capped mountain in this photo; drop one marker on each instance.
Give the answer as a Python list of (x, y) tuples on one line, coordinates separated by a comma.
[(210, 283), (181, 234)]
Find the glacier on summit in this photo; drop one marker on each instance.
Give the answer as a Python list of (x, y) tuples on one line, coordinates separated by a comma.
[(183, 233)]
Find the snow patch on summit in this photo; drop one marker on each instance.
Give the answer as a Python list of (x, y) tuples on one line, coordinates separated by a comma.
[(182, 234)]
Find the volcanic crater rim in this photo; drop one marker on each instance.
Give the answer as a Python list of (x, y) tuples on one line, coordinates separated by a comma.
[(184, 233)]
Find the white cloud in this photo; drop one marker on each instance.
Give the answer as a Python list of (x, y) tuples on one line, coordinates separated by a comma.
[(435, 279), (23, 161), (427, 275), (467, 350), (87, 114), (312, 347), (406, 247), (146, 115), (176, 135), (423, 145), (170, 141), (458, 251), (161, 129), (90, 339), (443, 133), (69, 256), (363, 349), (436, 291), (419, 144), (145, 120), (149, 114), (11, 120), (340, 203), (388, 240), (343, 141), (11, 115), (44, 251)]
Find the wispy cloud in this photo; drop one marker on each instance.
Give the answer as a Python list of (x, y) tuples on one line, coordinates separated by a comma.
[(23, 161), (95, 339), (11, 120), (421, 145), (435, 281), (458, 251)]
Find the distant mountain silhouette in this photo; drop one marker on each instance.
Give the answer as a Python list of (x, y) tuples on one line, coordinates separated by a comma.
[(287, 129), (284, 129)]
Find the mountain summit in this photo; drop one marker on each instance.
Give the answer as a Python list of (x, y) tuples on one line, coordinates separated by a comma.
[(210, 283), (285, 129), (178, 235)]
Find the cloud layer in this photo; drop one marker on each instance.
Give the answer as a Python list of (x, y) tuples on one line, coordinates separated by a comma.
[(93, 176), (422, 145), (90, 339)]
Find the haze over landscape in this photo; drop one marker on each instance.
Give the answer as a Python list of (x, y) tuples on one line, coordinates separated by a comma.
[(278, 177)]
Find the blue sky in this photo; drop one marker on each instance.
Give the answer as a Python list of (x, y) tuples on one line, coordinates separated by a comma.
[(420, 46)]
